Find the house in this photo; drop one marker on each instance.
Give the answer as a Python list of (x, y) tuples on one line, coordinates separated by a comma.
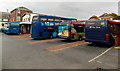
[(94, 18), (106, 16), (17, 13), (4, 18), (26, 22), (27, 17)]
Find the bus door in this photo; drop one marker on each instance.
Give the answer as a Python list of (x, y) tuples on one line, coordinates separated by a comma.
[(96, 30), (52, 31)]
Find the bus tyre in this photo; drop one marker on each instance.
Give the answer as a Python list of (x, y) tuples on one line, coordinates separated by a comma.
[(80, 38), (51, 36)]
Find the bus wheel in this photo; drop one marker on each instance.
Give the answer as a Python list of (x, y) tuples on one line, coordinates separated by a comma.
[(51, 36), (7, 33), (80, 38)]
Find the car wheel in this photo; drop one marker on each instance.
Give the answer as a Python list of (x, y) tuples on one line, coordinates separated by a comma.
[(80, 38)]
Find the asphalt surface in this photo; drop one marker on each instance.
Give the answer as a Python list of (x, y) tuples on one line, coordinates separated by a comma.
[(19, 53)]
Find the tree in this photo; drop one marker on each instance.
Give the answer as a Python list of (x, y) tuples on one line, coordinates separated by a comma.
[(114, 15)]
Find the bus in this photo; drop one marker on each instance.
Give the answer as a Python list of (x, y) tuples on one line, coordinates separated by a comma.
[(72, 31), (44, 26), (102, 31), (12, 28)]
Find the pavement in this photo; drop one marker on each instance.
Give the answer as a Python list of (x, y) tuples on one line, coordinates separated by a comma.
[(22, 52), (0, 51)]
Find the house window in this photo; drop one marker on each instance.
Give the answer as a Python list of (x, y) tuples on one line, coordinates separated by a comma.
[(18, 11), (18, 18)]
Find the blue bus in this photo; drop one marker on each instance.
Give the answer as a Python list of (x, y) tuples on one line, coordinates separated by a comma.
[(44, 26), (12, 28), (101, 31)]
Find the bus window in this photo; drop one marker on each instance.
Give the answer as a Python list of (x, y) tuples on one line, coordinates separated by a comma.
[(35, 18), (57, 20), (42, 23), (51, 24), (47, 23), (65, 28), (50, 19), (57, 23), (51, 29), (95, 24), (114, 28), (64, 24), (79, 28), (14, 24), (43, 19), (73, 30), (62, 20), (73, 20)]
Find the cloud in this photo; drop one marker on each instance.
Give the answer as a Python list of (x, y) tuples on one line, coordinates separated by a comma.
[(80, 10)]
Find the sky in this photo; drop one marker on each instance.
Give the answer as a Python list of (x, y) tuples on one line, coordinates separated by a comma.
[(80, 9)]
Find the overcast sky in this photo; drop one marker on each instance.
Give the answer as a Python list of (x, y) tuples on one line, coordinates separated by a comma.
[(77, 9)]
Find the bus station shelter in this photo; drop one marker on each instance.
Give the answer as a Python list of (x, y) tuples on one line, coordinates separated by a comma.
[(25, 27)]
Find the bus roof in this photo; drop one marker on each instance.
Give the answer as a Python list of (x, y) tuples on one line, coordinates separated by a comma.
[(57, 17), (114, 22), (79, 23), (110, 21)]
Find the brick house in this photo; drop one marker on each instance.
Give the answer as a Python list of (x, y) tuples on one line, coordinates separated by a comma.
[(4, 18), (25, 25), (17, 13), (106, 16)]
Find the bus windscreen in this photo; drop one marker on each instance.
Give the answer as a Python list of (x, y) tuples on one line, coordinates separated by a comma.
[(95, 23), (14, 24), (35, 18)]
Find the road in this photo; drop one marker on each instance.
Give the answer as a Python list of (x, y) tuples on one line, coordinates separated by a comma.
[(22, 52)]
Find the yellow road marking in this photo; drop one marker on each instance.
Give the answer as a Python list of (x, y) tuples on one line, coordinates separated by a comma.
[(64, 46), (117, 47), (42, 41)]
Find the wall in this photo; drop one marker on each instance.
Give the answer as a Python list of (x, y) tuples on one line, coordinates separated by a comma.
[(15, 14)]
